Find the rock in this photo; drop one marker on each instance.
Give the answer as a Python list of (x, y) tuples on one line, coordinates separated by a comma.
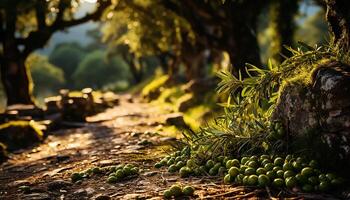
[(145, 142), (36, 196), (90, 191), (20, 134), (104, 163), (319, 111), (80, 192), (167, 139), (75, 108), (26, 110), (149, 174), (134, 196), (19, 183), (101, 197), (185, 102), (53, 104), (176, 119), (58, 184)]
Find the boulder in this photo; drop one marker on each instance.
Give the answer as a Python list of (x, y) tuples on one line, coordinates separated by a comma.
[(185, 102), (318, 113), (20, 134), (24, 110), (175, 119)]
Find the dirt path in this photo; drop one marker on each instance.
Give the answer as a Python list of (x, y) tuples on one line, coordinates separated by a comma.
[(124, 134)]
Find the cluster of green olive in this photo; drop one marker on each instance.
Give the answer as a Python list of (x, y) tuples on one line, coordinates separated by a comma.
[(78, 176), (121, 172), (115, 173), (176, 162), (276, 131), (280, 172), (265, 170), (177, 190)]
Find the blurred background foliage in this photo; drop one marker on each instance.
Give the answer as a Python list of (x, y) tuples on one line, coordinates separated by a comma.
[(137, 41)]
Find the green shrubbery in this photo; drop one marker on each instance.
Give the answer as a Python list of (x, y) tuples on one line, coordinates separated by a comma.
[(67, 57), (46, 77), (95, 70)]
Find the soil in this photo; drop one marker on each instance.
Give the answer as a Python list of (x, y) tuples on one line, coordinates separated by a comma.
[(128, 133)]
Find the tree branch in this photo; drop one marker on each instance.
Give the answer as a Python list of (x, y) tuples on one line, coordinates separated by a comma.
[(40, 10), (37, 39)]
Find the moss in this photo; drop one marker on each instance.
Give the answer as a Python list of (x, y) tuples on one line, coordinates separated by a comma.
[(195, 116), (170, 131), (170, 95), (32, 124), (154, 85)]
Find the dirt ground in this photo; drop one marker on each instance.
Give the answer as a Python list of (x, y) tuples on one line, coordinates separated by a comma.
[(128, 133)]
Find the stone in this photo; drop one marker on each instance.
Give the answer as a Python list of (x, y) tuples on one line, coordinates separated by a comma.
[(26, 110), (185, 102), (321, 110), (176, 119), (58, 184), (36, 196), (101, 197), (20, 134)]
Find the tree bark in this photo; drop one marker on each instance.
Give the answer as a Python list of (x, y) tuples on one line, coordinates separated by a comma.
[(14, 74), (338, 17), (243, 48), (17, 81)]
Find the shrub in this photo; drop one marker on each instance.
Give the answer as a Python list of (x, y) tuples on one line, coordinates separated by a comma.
[(46, 77), (67, 57), (96, 71)]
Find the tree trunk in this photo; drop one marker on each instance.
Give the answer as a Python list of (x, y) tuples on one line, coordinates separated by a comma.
[(136, 73), (338, 17), (282, 14), (17, 81), (243, 48)]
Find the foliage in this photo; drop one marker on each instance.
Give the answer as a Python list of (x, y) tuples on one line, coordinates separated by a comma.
[(246, 127), (46, 77), (314, 30), (67, 57), (146, 27), (96, 71)]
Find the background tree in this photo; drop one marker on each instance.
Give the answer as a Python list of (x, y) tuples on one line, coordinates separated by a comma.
[(95, 70), (26, 26), (139, 29), (67, 57), (314, 31), (282, 23), (229, 26)]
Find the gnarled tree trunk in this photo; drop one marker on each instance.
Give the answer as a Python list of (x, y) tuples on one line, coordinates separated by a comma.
[(15, 77)]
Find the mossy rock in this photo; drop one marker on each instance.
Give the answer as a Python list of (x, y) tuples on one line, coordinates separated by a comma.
[(185, 102), (76, 107), (316, 113), (20, 134), (152, 90)]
